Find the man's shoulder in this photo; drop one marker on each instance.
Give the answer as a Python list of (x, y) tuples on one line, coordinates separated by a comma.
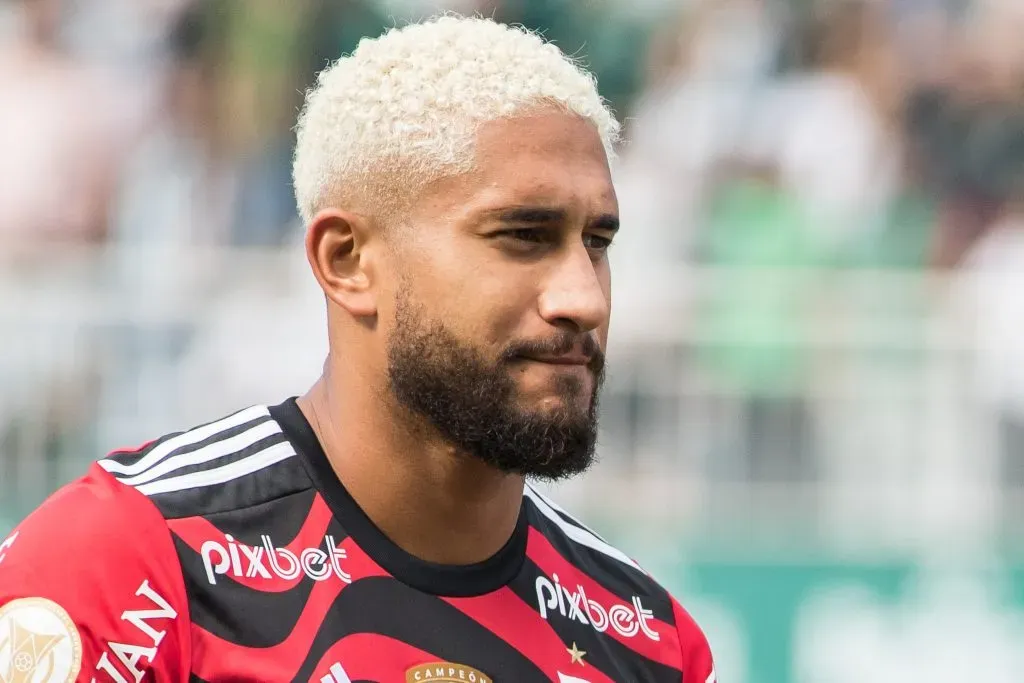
[(92, 515), (238, 461), (556, 532), (96, 567), (133, 507)]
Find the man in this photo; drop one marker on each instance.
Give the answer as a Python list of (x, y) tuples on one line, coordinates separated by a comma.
[(454, 179)]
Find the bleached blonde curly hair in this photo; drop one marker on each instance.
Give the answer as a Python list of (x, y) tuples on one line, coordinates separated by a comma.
[(404, 108)]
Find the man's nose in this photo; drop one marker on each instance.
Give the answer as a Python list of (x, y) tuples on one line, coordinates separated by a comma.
[(573, 294)]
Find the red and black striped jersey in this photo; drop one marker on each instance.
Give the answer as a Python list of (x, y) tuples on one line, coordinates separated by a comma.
[(231, 552)]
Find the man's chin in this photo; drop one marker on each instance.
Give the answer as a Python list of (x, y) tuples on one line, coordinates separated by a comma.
[(562, 454), (558, 469)]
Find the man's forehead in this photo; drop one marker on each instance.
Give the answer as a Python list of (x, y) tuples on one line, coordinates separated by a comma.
[(565, 194), (546, 130), (541, 158), (550, 171)]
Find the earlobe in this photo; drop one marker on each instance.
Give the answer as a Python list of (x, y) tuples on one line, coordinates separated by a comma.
[(336, 250)]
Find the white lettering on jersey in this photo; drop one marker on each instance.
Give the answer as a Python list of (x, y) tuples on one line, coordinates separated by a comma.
[(131, 654), (626, 620), (267, 561), (7, 544)]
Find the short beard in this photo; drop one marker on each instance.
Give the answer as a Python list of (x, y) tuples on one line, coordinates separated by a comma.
[(473, 402)]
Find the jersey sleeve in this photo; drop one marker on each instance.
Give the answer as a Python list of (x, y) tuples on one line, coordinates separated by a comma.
[(698, 664), (91, 590)]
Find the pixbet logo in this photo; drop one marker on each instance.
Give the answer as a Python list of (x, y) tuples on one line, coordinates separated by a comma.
[(267, 561), (626, 620)]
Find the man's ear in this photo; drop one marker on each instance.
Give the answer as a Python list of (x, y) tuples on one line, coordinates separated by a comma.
[(336, 249)]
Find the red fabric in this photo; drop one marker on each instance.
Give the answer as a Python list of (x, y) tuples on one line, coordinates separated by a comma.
[(698, 664), (507, 616), (102, 553)]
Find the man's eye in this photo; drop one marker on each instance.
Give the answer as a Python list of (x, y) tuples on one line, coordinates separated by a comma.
[(597, 242), (526, 235)]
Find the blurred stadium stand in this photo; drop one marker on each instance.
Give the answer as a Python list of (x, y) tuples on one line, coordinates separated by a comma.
[(815, 401)]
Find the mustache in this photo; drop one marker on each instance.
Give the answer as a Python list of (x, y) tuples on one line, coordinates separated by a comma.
[(558, 345)]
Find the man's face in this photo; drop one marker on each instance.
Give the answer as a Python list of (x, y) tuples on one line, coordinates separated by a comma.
[(499, 316)]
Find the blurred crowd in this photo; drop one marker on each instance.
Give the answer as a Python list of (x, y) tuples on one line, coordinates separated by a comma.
[(783, 142), (796, 136), (170, 121), (894, 128)]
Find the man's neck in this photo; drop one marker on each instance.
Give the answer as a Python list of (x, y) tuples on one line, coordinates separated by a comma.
[(430, 501)]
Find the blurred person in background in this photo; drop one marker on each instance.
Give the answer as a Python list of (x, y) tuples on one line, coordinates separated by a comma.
[(264, 55), (988, 289), (58, 170), (178, 186), (765, 155), (274, 61), (754, 318), (65, 128), (835, 127), (982, 234), (453, 177), (829, 130), (706, 71), (969, 119), (708, 68), (174, 205)]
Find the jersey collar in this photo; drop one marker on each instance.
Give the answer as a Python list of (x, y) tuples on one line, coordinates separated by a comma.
[(429, 577)]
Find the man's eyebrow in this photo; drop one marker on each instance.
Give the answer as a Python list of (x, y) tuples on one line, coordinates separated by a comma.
[(539, 215), (608, 222)]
